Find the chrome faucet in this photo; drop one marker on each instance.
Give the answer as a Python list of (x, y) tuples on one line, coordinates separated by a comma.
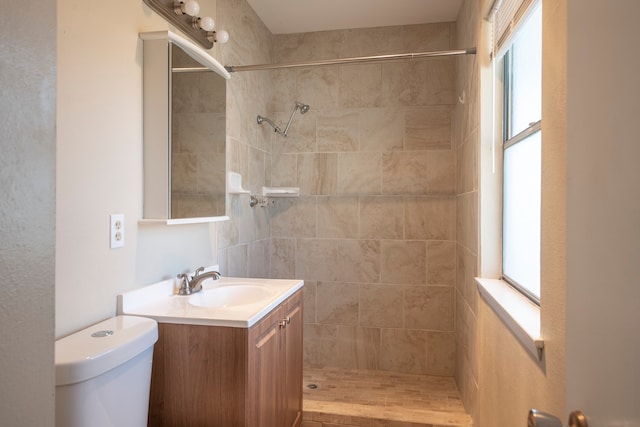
[(192, 285)]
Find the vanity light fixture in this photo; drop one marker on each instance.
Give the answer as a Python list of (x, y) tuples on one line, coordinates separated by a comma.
[(184, 15)]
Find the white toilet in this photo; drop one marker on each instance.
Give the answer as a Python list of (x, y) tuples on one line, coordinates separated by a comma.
[(103, 374)]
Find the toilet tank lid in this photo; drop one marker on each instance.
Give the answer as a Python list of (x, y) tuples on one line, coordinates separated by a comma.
[(92, 351)]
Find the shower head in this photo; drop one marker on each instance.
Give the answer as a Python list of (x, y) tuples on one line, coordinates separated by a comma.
[(302, 107)]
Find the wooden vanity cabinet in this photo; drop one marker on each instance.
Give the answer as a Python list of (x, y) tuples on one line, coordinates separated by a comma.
[(213, 376)]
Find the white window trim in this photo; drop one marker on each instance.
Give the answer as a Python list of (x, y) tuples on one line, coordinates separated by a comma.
[(517, 312)]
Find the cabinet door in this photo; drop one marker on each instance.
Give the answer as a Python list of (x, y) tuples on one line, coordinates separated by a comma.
[(264, 369), (292, 343)]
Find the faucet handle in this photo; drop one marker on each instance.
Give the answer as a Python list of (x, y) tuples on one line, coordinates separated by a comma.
[(184, 284), (198, 271)]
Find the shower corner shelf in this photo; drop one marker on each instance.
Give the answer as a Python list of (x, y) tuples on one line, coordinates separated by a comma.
[(235, 184), (281, 191)]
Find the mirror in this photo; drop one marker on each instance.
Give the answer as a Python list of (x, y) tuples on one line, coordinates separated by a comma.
[(184, 131)]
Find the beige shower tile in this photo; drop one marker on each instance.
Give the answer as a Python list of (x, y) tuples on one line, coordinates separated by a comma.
[(466, 274), (429, 307), (256, 178), (358, 348), (242, 217), (359, 173), (316, 259), (227, 233), (428, 128), (357, 260), (360, 85), (310, 301), (427, 37), (403, 262), (404, 84), (238, 261), (430, 218), (404, 350), (284, 170), (441, 262), (283, 252), (302, 133), (283, 82), (381, 306), (338, 131), (318, 87), (258, 253), (441, 81), (404, 172), (320, 345), (381, 217), (441, 353), (467, 165), (381, 129), (337, 303), (375, 41), (317, 173), (294, 217), (467, 220), (338, 216), (441, 172), (310, 45)]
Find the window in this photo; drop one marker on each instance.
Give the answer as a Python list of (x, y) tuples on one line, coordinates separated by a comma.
[(521, 142)]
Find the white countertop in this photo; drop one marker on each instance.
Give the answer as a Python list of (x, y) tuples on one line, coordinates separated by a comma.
[(161, 303)]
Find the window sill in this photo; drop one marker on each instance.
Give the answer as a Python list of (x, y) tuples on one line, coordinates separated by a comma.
[(519, 315)]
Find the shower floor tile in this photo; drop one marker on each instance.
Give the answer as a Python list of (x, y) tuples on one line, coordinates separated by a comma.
[(380, 399)]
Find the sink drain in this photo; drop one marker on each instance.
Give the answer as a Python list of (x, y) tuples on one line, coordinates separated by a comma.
[(312, 386)]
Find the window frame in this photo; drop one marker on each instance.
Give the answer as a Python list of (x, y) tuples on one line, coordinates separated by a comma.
[(507, 141)]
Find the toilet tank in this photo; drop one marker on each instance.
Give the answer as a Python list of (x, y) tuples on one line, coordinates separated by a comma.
[(103, 374)]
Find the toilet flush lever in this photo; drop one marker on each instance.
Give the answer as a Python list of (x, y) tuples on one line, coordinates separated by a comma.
[(542, 419)]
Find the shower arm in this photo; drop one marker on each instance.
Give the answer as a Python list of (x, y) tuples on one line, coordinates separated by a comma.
[(298, 106), (293, 113), (275, 127)]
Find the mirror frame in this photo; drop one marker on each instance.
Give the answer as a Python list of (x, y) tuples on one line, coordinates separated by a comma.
[(157, 122)]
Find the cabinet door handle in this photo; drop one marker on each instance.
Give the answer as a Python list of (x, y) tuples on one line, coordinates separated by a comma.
[(284, 322)]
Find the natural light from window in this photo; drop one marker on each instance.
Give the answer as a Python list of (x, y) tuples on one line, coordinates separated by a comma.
[(522, 158)]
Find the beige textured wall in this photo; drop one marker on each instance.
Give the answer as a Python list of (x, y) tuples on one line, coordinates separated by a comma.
[(500, 381), (373, 233), (27, 213)]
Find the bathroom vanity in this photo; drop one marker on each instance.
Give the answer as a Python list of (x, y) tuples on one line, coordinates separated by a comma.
[(228, 365)]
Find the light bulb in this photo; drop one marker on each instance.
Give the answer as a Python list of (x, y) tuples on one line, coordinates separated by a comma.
[(206, 23), (222, 36), (191, 7)]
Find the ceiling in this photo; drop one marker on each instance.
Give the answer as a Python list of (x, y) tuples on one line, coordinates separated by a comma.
[(301, 16)]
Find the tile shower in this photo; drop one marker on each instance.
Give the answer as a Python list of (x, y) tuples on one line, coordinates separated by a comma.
[(373, 233)]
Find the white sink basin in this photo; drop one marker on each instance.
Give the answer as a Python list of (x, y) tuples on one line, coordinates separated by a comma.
[(231, 296), (237, 302)]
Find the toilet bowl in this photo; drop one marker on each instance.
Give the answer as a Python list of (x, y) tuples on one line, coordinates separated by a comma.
[(103, 374)]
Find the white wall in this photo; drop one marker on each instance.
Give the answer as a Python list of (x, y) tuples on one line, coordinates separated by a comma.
[(99, 165), (603, 239), (27, 205)]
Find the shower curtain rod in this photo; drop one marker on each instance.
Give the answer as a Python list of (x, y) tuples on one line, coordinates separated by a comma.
[(356, 60)]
